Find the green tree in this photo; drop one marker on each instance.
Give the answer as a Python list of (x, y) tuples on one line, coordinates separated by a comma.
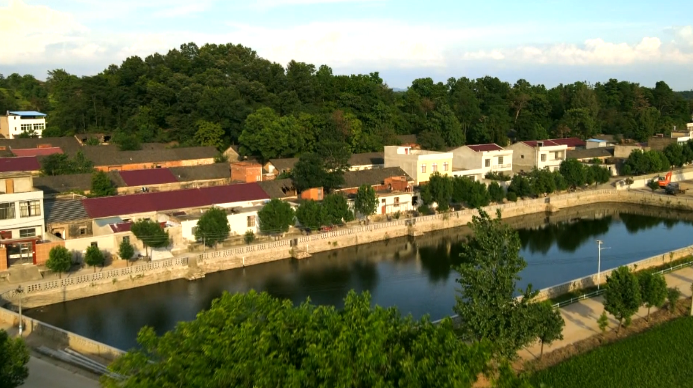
[(126, 251), (473, 193), (496, 192), (249, 237), (674, 154), (62, 164), (559, 181), (336, 209), (127, 141), (439, 189), (59, 260), (268, 135), (542, 181), (486, 298), (212, 227), (309, 172), (101, 185), (276, 217), (599, 174), (150, 233), (311, 214), (94, 257), (603, 322), (549, 325), (366, 201), (653, 289), (574, 172), (673, 295), (209, 134), (14, 355), (520, 187), (234, 344), (622, 297)]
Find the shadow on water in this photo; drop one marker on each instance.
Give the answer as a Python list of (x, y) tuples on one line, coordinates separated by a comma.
[(414, 274)]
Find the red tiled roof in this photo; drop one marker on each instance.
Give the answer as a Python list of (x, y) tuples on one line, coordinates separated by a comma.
[(570, 142), (485, 147), (37, 151), (29, 163), (170, 200), (152, 176), (533, 143)]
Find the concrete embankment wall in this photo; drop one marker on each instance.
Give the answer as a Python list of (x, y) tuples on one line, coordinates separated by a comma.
[(591, 281), (58, 338), (75, 287)]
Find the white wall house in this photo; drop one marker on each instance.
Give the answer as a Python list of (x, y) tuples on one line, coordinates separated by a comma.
[(390, 203), (21, 207), (476, 160), (539, 153), (14, 123), (418, 164), (240, 220)]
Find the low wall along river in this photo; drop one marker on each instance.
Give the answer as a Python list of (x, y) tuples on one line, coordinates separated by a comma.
[(75, 287)]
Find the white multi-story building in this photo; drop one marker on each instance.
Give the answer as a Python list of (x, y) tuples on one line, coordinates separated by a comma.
[(15, 123), (418, 164), (477, 160), (21, 216), (538, 153)]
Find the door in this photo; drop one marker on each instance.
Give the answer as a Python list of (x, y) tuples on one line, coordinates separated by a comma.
[(384, 209)]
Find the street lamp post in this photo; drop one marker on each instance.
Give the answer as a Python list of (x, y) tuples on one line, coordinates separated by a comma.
[(599, 262), (19, 291)]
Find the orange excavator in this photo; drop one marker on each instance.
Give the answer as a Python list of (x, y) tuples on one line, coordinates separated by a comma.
[(663, 182)]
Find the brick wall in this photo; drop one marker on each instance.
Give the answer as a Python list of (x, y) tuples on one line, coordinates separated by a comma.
[(315, 194), (43, 250), (246, 172)]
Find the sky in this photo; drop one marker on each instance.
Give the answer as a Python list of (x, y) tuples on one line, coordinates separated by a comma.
[(542, 41)]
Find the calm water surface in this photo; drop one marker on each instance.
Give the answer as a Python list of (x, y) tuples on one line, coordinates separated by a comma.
[(413, 274)]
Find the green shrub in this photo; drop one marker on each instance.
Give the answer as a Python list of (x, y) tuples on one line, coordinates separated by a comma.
[(511, 196)]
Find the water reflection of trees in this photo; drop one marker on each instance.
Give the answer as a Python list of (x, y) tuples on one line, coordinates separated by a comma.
[(567, 236), (636, 222), (436, 261)]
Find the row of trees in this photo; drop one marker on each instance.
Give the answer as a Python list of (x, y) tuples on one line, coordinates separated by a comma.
[(626, 292), (226, 94), (647, 162), (233, 343)]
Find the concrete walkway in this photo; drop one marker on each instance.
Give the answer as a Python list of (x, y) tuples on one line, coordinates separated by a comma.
[(581, 318), (44, 374)]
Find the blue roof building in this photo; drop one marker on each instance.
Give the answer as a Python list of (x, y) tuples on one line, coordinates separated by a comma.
[(22, 123)]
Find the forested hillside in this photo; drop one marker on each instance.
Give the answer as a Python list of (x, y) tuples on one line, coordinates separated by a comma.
[(226, 94)]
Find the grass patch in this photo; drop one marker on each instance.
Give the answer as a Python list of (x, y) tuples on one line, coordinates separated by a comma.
[(582, 291), (660, 357)]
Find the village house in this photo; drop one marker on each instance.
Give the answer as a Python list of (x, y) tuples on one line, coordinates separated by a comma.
[(603, 154), (571, 143), (27, 164), (538, 153), (418, 164), (15, 123), (363, 161), (476, 160), (393, 187)]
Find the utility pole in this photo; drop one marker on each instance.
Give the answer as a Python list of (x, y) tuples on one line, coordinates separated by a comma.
[(599, 262), (20, 290)]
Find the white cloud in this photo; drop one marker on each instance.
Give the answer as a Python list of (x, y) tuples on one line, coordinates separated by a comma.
[(592, 52), (684, 34), (27, 30)]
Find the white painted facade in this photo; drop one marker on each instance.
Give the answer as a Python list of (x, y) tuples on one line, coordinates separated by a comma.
[(418, 164), (481, 162), (391, 203), (21, 207), (12, 125), (241, 222), (526, 157)]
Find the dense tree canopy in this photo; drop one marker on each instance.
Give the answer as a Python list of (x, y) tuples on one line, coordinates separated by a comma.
[(255, 340), (223, 94), (14, 355)]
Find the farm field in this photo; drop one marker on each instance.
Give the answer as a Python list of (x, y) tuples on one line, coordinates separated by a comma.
[(660, 357)]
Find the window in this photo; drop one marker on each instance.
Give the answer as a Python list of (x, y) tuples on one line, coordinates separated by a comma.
[(82, 230), (27, 232), (487, 162), (7, 211), (445, 166), (396, 201), (193, 230), (423, 168), (559, 155), (94, 244), (543, 157), (434, 167), (126, 239), (39, 127), (30, 208), (251, 221), (383, 201), (522, 156), (500, 160), (27, 128)]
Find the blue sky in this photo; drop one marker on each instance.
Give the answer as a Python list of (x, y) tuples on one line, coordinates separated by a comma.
[(542, 41)]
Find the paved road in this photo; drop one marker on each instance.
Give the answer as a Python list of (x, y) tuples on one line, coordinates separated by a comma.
[(43, 374), (581, 318)]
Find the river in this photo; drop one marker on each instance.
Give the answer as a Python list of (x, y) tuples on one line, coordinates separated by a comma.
[(411, 273)]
